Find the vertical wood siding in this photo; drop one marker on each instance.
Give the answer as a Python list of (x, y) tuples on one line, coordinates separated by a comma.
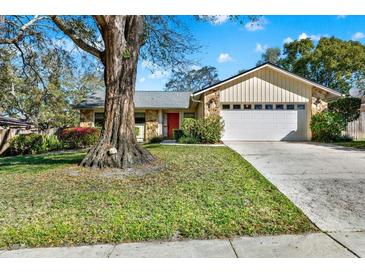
[(265, 85)]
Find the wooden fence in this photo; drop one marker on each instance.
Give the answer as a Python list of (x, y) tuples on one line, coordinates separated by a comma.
[(356, 129)]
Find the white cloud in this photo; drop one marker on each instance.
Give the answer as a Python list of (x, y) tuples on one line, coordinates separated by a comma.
[(215, 19), (314, 37), (341, 16), (357, 36), (157, 72), (256, 25), (195, 67), (142, 79), (224, 57), (303, 36), (288, 40), (260, 48)]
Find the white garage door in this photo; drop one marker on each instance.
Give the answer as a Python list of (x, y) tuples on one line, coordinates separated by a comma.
[(264, 125)]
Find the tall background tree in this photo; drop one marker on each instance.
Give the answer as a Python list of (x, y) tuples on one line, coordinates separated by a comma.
[(332, 62), (271, 55), (192, 80), (118, 42)]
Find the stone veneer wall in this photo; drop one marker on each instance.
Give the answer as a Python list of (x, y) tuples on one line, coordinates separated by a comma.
[(211, 103), (151, 128), (318, 105), (86, 118)]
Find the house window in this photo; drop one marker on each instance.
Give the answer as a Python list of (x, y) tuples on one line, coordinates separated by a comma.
[(279, 107), (258, 106), (247, 106), (290, 107), (236, 106), (189, 115), (99, 119), (226, 106), (301, 106), (268, 107), (139, 118)]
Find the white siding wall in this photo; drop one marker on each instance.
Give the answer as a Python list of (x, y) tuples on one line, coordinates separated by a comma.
[(265, 85)]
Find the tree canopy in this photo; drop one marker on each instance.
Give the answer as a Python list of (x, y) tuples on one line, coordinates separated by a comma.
[(332, 62), (271, 55), (192, 80)]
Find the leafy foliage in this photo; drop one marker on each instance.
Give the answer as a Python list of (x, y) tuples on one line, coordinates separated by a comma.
[(271, 55), (332, 62), (33, 143), (326, 126), (349, 107), (188, 140), (79, 137), (156, 140), (192, 80), (204, 130)]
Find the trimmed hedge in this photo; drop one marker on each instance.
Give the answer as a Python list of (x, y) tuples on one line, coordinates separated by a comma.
[(32, 143), (203, 130), (327, 126), (79, 137)]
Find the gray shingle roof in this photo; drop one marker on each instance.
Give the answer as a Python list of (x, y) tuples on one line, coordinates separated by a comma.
[(143, 99)]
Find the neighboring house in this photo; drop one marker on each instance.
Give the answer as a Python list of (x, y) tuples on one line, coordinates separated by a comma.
[(263, 103)]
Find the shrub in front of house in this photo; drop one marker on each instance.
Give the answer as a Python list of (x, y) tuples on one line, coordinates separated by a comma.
[(33, 143), (348, 107), (178, 133), (203, 130), (79, 137), (187, 140), (327, 126), (156, 140)]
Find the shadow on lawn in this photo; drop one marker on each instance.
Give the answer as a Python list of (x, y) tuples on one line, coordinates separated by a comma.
[(33, 163)]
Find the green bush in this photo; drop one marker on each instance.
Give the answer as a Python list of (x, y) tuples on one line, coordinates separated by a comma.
[(33, 143), (348, 107), (178, 133), (156, 140), (79, 137), (204, 130), (326, 126), (187, 140)]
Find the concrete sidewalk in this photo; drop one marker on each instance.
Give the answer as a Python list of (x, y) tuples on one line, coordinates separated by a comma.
[(317, 245)]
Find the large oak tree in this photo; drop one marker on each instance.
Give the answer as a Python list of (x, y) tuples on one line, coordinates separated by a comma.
[(116, 41)]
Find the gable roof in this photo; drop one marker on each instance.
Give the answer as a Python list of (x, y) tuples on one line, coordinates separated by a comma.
[(273, 66), (143, 99)]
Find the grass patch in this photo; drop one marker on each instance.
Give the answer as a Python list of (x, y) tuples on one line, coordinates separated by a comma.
[(202, 192), (352, 144)]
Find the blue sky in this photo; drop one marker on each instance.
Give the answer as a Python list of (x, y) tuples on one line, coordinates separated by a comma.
[(231, 46)]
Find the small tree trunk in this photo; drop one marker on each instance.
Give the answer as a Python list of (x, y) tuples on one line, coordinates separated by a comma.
[(122, 38)]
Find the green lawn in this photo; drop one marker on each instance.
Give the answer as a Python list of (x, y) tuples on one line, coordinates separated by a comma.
[(353, 144), (200, 192)]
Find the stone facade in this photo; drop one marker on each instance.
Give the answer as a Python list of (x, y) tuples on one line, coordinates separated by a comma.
[(318, 105), (151, 127), (211, 103), (86, 118)]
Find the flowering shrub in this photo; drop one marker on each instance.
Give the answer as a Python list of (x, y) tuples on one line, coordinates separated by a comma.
[(79, 137)]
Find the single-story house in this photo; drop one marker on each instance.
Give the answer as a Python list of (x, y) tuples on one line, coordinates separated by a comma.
[(265, 103)]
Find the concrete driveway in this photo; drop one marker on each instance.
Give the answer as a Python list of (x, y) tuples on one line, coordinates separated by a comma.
[(326, 182)]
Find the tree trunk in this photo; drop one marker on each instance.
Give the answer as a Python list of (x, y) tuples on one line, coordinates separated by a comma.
[(118, 146)]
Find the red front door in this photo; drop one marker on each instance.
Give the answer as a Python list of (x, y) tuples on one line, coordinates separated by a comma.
[(172, 123)]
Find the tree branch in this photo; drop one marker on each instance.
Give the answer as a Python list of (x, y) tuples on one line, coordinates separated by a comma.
[(21, 31), (77, 40)]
